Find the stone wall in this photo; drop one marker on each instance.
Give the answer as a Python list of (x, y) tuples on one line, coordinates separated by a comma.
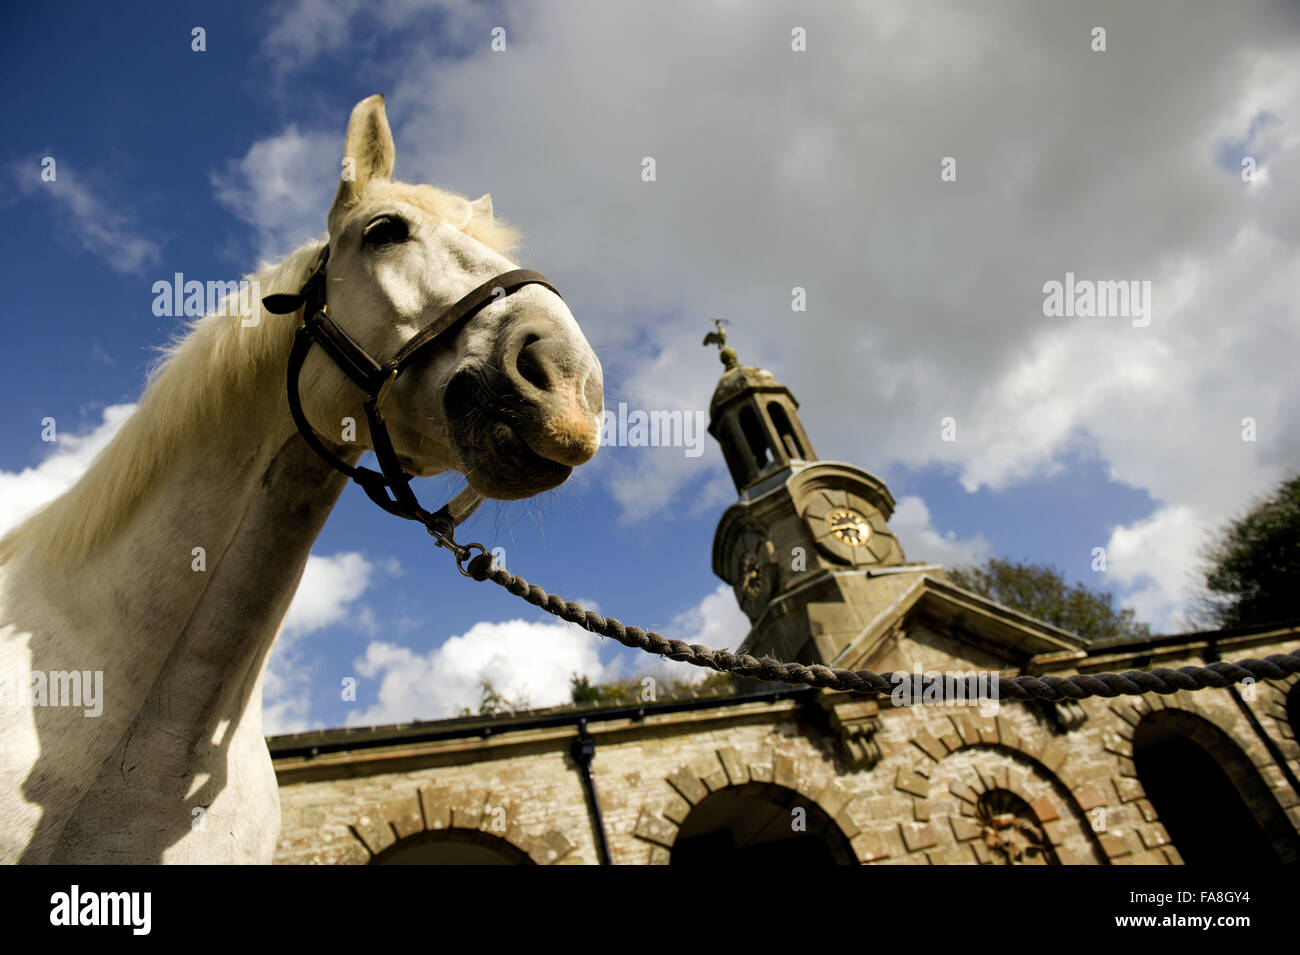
[(915, 805)]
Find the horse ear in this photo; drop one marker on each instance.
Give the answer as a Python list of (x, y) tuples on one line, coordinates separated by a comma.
[(482, 206), (368, 153)]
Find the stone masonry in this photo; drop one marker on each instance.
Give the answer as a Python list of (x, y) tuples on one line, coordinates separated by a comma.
[(915, 804)]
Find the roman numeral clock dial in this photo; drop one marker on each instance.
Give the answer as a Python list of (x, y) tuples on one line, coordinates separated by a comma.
[(752, 573), (847, 528)]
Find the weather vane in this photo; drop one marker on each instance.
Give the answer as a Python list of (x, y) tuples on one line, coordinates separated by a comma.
[(719, 337)]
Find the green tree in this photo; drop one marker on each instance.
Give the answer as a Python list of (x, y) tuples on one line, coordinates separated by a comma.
[(582, 690), (1253, 565), (1041, 591), (492, 702)]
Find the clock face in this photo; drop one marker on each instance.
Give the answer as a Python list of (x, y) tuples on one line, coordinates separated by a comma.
[(751, 575), (751, 570), (849, 527)]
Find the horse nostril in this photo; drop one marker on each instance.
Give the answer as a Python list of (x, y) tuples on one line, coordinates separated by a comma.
[(529, 367)]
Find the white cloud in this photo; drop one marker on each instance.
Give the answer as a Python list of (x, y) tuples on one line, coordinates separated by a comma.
[(820, 170), (532, 660), (100, 354), (22, 492), (285, 709), (520, 658), (329, 587), (283, 187), (328, 595), (303, 30), (1158, 560), (91, 221), (914, 527), (716, 622)]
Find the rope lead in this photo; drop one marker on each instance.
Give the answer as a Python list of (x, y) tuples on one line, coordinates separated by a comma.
[(1078, 687)]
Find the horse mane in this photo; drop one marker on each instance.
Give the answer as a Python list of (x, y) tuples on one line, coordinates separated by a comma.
[(205, 375)]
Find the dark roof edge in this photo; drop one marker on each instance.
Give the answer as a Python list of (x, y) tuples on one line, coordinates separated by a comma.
[(337, 741), (1128, 643), (319, 742)]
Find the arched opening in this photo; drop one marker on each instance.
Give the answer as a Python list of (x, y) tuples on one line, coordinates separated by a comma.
[(760, 824), (453, 847), (785, 431), (736, 463), (1208, 794), (755, 438), (1012, 831)]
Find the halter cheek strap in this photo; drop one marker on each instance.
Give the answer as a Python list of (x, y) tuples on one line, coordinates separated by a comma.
[(390, 487)]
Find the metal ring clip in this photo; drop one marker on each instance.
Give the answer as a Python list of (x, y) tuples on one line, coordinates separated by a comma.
[(464, 555)]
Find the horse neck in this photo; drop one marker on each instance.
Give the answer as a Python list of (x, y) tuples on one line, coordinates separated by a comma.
[(183, 604), (181, 645)]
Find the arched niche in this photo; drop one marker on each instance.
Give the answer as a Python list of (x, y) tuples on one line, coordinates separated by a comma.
[(1208, 793), (760, 824), (452, 847)]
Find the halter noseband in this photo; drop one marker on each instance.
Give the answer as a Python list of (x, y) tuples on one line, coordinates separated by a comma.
[(375, 378)]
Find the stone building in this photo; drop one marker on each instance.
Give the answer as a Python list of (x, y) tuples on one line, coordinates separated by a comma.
[(789, 774)]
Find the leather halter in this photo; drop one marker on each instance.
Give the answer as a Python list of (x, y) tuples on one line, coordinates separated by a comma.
[(375, 378)]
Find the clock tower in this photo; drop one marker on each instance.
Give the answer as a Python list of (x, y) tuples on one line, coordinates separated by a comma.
[(807, 546)]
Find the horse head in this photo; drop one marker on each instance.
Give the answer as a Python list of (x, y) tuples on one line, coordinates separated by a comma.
[(513, 399)]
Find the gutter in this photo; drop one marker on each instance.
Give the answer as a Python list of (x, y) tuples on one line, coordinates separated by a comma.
[(1123, 645), (584, 749), (287, 748)]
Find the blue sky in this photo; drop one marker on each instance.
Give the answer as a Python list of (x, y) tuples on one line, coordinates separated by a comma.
[(776, 169)]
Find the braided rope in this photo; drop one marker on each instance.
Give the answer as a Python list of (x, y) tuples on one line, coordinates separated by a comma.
[(1078, 687)]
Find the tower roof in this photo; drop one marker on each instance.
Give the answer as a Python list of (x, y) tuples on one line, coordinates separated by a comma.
[(740, 380)]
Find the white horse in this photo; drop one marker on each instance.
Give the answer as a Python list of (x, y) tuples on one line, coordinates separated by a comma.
[(105, 577)]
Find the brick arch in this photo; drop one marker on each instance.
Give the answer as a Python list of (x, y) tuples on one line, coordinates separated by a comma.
[(1271, 705), (1122, 717), (782, 803), (1246, 764), (1075, 796), (428, 810), (963, 730), (1128, 712), (659, 821), (947, 829), (508, 851), (1041, 813)]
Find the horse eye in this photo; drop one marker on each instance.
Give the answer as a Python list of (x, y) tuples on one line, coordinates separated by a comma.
[(384, 230)]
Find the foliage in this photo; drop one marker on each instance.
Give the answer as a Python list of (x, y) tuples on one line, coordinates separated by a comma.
[(493, 703), (638, 690), (1042, 592), (1253, 566), (635, 690)]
